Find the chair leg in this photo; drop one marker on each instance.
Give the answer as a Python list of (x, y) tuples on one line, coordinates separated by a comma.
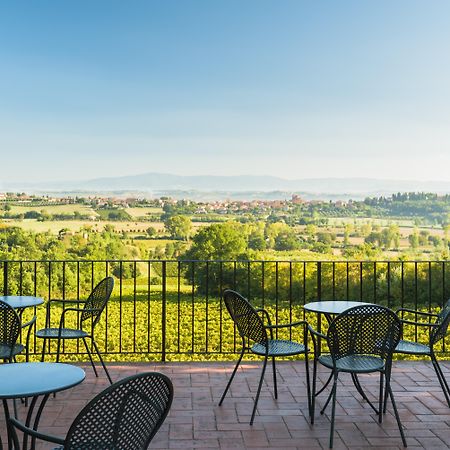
[(380, 400), (274, 378), (388, 378), (90, 357), (43, 350), (397, 417), (232, 376), (333, 408), (58, 350), (259, 390), (441, 378), (313, 394), (101, 360), (327, 402), (308, 384)]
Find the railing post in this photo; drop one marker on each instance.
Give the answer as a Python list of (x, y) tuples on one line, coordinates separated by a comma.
[(319, 280), (163, 312), (5, 278), (319, 297)]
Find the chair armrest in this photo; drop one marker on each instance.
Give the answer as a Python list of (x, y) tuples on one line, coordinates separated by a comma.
[(34, 433), (58, 300), (29, 323), (81, 310), (77, 310), (414, 311), (266, 314), (419, 324), (289, 325), (64, 300), (316, 333)]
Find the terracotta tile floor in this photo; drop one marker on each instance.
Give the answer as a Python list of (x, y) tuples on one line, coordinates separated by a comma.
[(196, 421)]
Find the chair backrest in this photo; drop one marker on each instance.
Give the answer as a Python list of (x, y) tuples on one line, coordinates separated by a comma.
[(365, 329), (125, 416), (97, 300), (442, 322), (9, 326), (244, 315)]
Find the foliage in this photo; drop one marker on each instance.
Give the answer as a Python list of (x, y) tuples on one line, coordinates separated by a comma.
[(218, 242), (114, 214), (179, 227), (196, 327), (19, 245)]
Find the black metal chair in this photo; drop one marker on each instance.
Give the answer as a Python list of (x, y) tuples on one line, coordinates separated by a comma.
[(90, 314), (125, 416), (10, 329), (253, 332), (360, 340), (438, 330)]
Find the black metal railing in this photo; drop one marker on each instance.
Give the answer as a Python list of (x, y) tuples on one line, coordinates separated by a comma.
[(163, 308)]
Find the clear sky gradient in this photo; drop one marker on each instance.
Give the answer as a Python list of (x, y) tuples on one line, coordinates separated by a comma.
[(296, 89)]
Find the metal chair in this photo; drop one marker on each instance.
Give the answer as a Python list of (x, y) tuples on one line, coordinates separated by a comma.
[(10, 328), (438, 330), (125, 416), (254, 334), (360, 340), (91, 312)]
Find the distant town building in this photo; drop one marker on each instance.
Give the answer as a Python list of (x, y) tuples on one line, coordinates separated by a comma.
[(297, 200)]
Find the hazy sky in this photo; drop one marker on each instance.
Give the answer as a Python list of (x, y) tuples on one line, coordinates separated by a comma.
[(296, 89)]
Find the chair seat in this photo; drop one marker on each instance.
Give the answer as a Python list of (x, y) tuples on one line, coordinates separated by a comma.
[(412, 348), (66, 333), (279, 347), (5, 350), (354, 363)]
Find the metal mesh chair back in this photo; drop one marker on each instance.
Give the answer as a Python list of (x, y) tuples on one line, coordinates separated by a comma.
[(9, 326), (364, 330), (97, 300), (247, 320), (442, 323), (125, 416)]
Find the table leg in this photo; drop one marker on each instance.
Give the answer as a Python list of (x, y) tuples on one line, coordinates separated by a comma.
[(28, 421), (8, 427), (361, 392), (325, 385), (37, 418), (329, 318)]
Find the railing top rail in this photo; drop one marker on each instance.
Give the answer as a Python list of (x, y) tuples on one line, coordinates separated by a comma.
[(324, 261)]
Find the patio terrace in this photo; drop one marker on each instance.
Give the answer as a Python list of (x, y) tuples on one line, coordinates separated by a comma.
[(196, 420)]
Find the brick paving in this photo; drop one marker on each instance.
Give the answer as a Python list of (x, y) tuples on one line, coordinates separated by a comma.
[(196, 420)]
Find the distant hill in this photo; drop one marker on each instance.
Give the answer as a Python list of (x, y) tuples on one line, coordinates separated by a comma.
[(251, 186)]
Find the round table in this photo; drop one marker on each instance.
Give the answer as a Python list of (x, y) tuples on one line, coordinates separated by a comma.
[(21, 301), (331, 307), (21, 380)]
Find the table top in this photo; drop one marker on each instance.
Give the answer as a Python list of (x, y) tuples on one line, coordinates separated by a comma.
[(21, 301), (332, 306), (37, 378)]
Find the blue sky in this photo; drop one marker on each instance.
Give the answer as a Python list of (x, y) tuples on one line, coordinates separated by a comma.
[(295, 89)]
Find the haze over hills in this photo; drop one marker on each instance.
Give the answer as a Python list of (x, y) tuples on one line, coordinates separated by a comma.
[(239, 187)]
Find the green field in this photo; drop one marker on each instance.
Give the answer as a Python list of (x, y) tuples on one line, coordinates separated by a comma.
[(144, 211), (75, 225), (55, 209)]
